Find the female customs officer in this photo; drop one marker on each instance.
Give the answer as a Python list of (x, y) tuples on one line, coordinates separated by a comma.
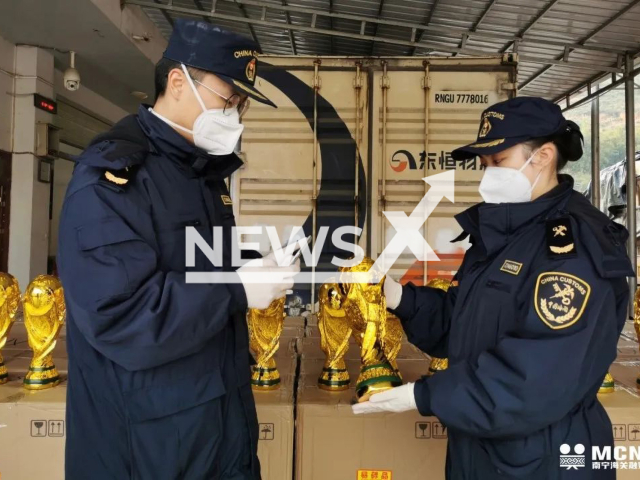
[(532, 318)]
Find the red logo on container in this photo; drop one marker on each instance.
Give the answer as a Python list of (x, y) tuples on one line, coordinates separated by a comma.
[(401, 159)]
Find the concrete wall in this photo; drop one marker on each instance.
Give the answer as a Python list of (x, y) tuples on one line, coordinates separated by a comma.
[(132, 20), (29, 227), (88, 100), (32, 235), (7, 65)]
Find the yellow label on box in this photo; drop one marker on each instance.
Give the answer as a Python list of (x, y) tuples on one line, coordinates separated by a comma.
[(374, 475)]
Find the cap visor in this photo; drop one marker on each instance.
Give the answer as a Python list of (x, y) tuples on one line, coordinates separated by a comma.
[(488, 147), (246, 89)]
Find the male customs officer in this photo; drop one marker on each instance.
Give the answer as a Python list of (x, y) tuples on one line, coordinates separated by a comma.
[(159, 368)]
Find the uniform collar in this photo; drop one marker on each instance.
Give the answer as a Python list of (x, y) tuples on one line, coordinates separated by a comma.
[(194, 161), (493, 224)]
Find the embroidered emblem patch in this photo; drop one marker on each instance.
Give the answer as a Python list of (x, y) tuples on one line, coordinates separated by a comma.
[(560, 299), (560, 237), (486, 128), (251, 70), (511, 267), (226, 200)]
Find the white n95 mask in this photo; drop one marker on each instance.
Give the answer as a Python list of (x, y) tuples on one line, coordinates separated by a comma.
[(213, 131), (507, 185)]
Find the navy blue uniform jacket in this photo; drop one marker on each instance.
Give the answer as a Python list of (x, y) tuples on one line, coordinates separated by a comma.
[(530, 330), (143, 344)]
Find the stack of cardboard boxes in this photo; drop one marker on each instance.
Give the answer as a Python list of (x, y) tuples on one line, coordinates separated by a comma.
[(332, 442), (305, 433)]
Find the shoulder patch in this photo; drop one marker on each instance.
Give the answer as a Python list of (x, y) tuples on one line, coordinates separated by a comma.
[(560, 240), (560, 299), (120, 177)]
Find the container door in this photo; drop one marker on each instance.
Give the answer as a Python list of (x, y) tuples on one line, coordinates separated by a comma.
[(297, 174), (419, 116)]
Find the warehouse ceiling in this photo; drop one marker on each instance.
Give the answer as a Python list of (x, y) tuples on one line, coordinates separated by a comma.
[(108, 62), (563, 45)]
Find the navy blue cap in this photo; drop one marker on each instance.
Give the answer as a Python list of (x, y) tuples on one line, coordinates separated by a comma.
[(514, 121), (230, 56)]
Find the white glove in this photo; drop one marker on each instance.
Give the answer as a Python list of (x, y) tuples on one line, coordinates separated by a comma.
[(393, 292), (264, 281), (286, 259), (399, 399)]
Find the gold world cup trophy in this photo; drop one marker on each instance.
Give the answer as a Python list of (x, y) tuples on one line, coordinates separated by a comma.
[(44, 315), (9, 301), (265, 328), (335, 332), (378, 339), (438, 364)]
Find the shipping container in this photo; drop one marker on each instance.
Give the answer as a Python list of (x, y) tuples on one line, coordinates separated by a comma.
[(353, 137)]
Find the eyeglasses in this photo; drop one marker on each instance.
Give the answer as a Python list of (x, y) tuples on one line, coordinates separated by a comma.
[(234, 101)]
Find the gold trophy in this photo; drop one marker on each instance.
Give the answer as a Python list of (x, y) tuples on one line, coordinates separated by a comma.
[(44, 315), (265, 328), (9, 301), (378, 339), (438, 364), (335, 332)]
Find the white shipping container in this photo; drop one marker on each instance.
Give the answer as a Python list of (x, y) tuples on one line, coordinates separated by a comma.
[(402, 116)]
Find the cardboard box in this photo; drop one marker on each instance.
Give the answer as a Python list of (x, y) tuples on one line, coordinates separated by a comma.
[(629, 332), (276, 417), (623, 407), (294, 327), (333, 443), (35, 421), (625, 374), (628, 349), (32, 422)]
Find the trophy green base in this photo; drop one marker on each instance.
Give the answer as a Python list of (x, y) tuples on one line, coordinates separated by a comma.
[(265, 378), (608, 384), (375, 379), (334, 379), (41, 378)]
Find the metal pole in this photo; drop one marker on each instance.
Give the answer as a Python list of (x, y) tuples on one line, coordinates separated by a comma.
[(426, 85), (357, 84), (595, 152), (384, 84), (314, 199), (631, 174)]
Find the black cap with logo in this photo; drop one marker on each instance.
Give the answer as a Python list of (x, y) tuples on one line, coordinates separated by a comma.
[(230, 56), (514, 121)]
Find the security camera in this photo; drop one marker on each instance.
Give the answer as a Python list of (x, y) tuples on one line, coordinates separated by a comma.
[(72, 76)]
